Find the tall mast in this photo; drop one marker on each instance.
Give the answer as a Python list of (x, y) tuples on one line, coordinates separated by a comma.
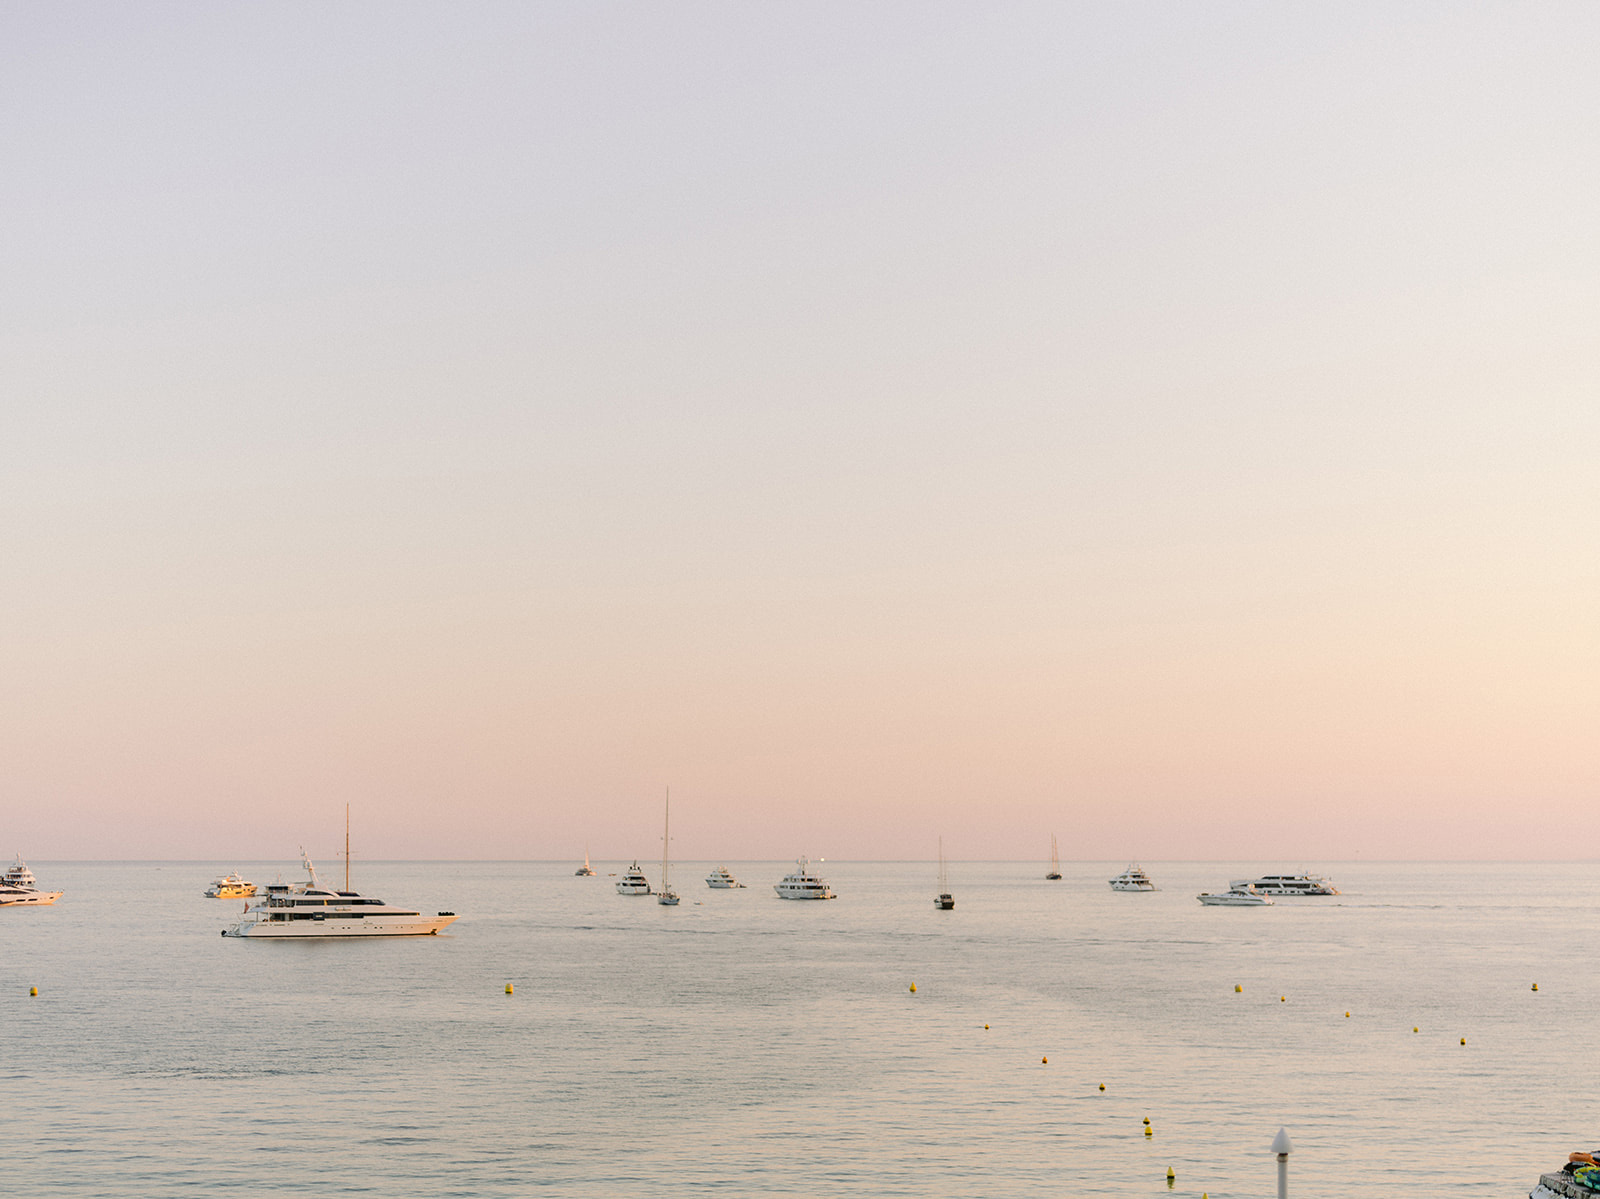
[(666, 836), (346, 847)]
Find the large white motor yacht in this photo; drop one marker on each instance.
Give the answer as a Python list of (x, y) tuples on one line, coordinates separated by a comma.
[(18, 888), (18, 875), (312, 910), (1133, 879), (1236, 896), (230, 886), (721, 880), (800, 883), (1288, 884), (633, 881)]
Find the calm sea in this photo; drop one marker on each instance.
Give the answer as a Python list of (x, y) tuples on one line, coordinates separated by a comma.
[(744, 1045)]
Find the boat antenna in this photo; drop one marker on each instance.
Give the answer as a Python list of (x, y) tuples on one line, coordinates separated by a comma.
[(346, 847)]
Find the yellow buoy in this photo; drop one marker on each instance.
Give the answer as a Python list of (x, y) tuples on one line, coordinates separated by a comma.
[(1415, 1029), (1463, 1040), (508, 989), (1283, 999), (1044, 1061), (1102, 1086), (1237, 989), (913, 988), (1347, 1015), (1148, 1131), (985, 1026), (1535, 986), (1147, 1121), (1171, 1177), (33, 990)]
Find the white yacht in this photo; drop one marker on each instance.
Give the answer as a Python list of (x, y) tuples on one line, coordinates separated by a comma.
[(312, 910), (1133, 879), (1239, 895), (668, 898), (18, 888), (18, 875), (720, 880), (230, 886), (800, 883), (633, 881), (944, 901), (1288, 884)]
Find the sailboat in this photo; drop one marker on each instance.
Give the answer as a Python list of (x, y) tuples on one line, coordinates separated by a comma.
[(1055, 859), (944, 901), (586, 870), (667, 895)]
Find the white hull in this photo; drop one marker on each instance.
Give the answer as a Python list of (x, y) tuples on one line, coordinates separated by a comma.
[(28, 899), (633, 882), (312, 910), (1287, 884), (1117, 885), (1234, 899), (800, 883), (369, 926)]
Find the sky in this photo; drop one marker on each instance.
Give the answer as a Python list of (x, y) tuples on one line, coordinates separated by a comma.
[(1169, 426)]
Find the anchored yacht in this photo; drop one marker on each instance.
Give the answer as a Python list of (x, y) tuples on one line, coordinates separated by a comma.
[(1240, 895), (1288, 884), (668, 897), (1133, 879), (800, 883), (18, 875), (633, 881), (230, 886), (312, 910), (944, 901), (18, 888), (720, 880)]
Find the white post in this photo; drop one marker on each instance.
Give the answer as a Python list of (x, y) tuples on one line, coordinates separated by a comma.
[(1282, 1147)]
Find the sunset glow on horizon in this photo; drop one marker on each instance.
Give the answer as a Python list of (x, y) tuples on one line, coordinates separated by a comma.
[(1173, 428)]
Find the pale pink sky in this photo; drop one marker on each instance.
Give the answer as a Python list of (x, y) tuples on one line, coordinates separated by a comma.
[(1174, 427)]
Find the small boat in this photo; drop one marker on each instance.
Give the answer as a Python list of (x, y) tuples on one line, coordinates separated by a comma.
[(1133, 879), (943, 901), (230, 886), (18, 888), (633, 881), (1235, 897), (1055, 859), (668, 897), (720, 880), (586, 870), (800, 883), (312, 910), (1288, 884)]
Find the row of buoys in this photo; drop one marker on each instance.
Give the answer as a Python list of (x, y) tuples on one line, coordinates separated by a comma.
[(1239, 990)]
